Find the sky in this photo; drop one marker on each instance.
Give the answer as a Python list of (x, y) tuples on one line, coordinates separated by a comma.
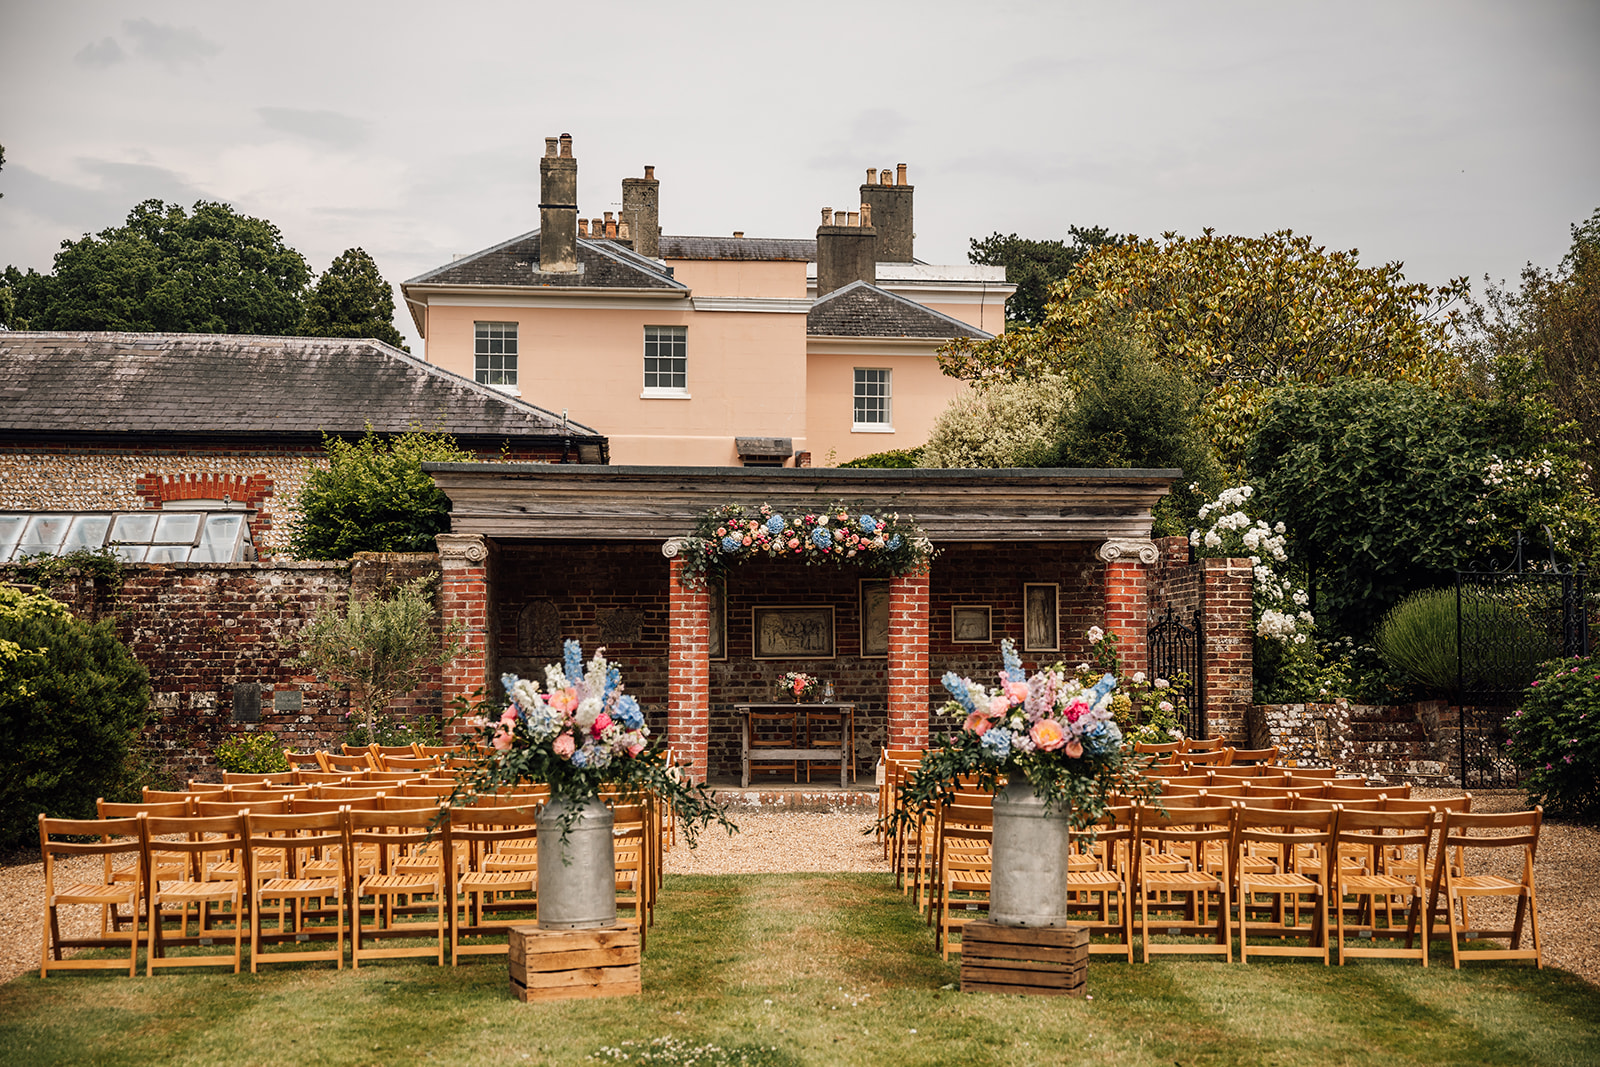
[(1461, 137)]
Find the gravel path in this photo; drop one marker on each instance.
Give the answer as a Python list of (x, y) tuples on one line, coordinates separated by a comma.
[(1567, 875)]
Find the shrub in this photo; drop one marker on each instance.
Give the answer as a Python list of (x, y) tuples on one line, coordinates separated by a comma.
[(72, 700), (393, 730), (1554, 738), (896, 458), (1007, 424), (254, 753), (1418, 638)]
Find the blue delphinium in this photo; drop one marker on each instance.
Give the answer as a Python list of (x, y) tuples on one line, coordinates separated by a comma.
[(628, 713), (821, 537), (998, 743), (613, 680), (731, 543), (1101, 688), (775, 525), (510, 682), (958, 689), (572, 660), (1008, 652)]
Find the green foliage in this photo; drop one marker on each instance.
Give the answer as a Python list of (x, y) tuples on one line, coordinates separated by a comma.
[(351, 299), (253, 753), (98, 564), (1386, 487), (894, 459), (383, 647), (393, 730), (1418, 638), (1236, 315), (72, 700), (1035, 267), (1554, 738), (214, 271), (373, 496), (1001, 424)]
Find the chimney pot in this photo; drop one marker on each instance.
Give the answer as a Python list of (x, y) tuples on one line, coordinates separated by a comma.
[(827, 216), (609, 216), (566, 146), (854, 218), (872, 175), (649, 173), (888, 179), (900, 173), (738, 233), (866, 214), (550, 147), (583, 227), (622, 229)]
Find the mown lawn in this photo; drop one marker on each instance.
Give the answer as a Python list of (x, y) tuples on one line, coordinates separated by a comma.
[(809, 969)]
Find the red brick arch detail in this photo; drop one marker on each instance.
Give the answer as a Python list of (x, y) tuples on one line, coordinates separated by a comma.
[(253, 491)]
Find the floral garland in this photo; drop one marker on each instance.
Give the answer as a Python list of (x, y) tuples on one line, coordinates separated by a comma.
[(837, 534)]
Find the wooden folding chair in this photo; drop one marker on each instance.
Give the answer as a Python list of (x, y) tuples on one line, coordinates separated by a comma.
[(1284, 855), (119, 843), (258, 778), (416, 765), (1210, 744), (1102, 871), (213, 845), (1341, 792), (1176, 848), (964, 864), (826, 729), (1164, 753), (302, 761), (396, 839), (499, 876), (779, 730), (296, 863), (630, 831), (359, 761), (1381, 860), (892, 766), (132, 869), (1255, 757), (1474, 839)]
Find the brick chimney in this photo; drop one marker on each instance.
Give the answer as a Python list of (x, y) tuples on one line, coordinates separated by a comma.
[(558, 207), (890, 199), (846, 253), (641, 208)]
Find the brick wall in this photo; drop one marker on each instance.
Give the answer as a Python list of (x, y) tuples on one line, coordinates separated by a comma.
[(1227, 588)]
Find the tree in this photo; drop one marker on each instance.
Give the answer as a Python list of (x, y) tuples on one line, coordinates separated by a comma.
[(1237, 315), (72, 700), (999, 424), (1035, 266), (351, 299), (373, 496), (214, 271), (383, 647)]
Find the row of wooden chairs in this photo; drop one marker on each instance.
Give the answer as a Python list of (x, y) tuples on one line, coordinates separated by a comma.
[(352, 759), (298, 880)]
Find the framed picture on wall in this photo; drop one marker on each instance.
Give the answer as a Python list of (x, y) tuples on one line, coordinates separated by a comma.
[(793, 632), (969, 624), (874, 618), (1041, 624), (718, 642)]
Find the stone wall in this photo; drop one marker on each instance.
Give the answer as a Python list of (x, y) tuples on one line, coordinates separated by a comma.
[(1408, 742)]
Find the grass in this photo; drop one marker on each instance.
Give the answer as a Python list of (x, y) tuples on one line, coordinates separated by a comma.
[(781, 970)]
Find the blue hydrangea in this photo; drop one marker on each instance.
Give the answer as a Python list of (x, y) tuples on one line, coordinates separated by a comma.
[(1103, 738), (731, 543), (628, 712), (1008, 651), (580, 758), (894, 542), (775, 525), (957, 686), (868, 524), (572, 656), (510, 682), (997, 743), (821, 537), (1101, 690)]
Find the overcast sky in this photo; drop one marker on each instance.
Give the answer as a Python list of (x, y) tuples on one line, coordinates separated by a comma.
[(1461, 137)]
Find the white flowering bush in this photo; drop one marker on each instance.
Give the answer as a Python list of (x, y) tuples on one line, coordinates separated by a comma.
[(1008, 424), (1281, 611)]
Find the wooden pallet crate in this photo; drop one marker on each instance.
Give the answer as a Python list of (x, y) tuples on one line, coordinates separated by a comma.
[(574, 964), (1038, 960)]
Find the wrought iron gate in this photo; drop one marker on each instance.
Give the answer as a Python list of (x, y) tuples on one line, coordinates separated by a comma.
[(1508, 621), (1177, 653)]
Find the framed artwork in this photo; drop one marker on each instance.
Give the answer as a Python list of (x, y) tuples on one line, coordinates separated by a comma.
[(718, 594), (874, 618), (969, 624), (1041, 629), (793, 632)]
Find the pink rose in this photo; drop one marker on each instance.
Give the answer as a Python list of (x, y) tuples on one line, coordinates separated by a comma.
[(794, 542), (564, 746), (747, 539), (1076, 709), (509, 717), (999, 704), (601, 721), (1047, 735), (1074, 749), (502, 740), (977, 723), (634, 748), (1017, 691)]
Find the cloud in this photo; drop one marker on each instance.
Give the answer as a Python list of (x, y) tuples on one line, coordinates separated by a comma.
[(78, 208), (327, 127), (171, 46), (102, 53)]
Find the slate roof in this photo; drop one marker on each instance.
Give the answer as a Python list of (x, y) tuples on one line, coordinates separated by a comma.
[(234, 385), (604, 264), (802, 250), (862, 310)]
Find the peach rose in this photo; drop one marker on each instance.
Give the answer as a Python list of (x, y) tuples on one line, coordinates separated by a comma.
[(502, 740), (1017, 691), (564, 700), (977, 723), (1047, 735), (999, 704), (1073, 749)]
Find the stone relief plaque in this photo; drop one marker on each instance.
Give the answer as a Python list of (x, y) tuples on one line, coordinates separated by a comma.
[(539, 629), (793, 632), (874, 618)]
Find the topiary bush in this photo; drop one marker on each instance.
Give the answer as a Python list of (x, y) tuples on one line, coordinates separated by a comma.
[(253, 753), (1554, 739), (72, 701)]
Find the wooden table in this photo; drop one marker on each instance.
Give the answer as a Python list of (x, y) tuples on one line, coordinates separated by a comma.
[(843, 755)]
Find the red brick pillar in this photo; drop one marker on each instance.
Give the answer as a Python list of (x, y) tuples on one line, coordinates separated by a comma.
[(464, 599), (1127, 603), (1227, 587), (908, 661), (688, 669)]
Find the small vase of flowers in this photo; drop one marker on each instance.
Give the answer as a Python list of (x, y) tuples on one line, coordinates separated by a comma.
[(799, 685)]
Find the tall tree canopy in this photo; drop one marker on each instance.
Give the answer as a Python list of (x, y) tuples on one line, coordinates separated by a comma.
[(214, 271), (351, 299), (1238, 315), (1035, 266)]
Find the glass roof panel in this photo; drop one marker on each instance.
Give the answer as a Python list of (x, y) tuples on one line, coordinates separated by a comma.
[(44, 533), (87, 531), (10, 533), (167, 554), (136, 528), (180, 528), (219, 543), (130, 553)]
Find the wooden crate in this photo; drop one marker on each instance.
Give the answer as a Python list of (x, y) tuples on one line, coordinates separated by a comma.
[(573, 964), (1042, 960)]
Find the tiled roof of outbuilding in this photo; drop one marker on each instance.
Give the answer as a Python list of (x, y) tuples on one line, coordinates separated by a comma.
[(603, 264), (862, 310), (794, 249), (234, 385)]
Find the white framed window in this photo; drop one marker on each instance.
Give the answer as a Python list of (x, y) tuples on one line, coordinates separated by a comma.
[(874, 401), (666, 361), (494, 354)]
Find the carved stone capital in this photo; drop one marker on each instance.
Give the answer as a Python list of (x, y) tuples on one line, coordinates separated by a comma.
[(673, 545), (1145, 552), (469, 549)]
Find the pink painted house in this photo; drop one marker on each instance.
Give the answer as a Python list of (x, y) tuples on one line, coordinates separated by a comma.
[(713, 351)]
